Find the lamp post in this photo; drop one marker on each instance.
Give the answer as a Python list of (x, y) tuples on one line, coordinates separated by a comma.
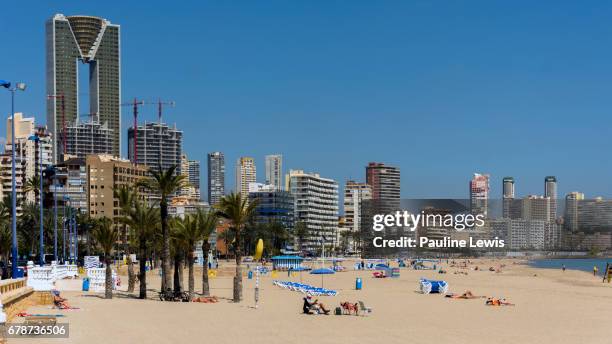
[(67, 222), (21, 87), (37, 142)]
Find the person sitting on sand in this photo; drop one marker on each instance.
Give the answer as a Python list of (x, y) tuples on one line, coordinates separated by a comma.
[(59, 301), (315, 306)]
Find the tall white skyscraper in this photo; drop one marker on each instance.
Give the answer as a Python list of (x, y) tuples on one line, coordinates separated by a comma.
[(246, 173), (550, 191), (274, 170)]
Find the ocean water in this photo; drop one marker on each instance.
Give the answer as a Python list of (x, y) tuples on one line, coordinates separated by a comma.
[(586, 264)]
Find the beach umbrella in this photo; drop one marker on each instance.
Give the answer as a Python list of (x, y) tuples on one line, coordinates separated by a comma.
[(322, 272)]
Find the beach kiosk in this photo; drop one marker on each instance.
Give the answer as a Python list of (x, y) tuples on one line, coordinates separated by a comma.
[(284, 263)]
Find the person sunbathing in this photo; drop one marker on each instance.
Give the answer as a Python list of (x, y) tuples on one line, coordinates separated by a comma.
[(466, 295), (206, 299), (491, 301)]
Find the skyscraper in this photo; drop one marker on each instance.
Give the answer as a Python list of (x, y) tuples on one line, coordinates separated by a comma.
[(194, 174), (550, 191), (274, 170), (246, 173), (93, 41), (385, 183), (479, 193), (216, 177), (156, 144), (507, 196)]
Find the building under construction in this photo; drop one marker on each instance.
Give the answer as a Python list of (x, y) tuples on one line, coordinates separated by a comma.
[(157, 144)]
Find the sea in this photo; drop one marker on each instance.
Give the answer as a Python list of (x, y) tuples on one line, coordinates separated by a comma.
[(585, 264)]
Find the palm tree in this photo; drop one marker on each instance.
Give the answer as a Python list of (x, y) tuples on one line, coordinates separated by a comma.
[(127, 196), (207, 221), (186, 234), (32, 184), (106, 236), (238, 211), (164, 183), (144, 221)]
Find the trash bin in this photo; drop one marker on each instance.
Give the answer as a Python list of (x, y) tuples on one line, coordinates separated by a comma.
[(250, 274), (358, 283), (86, 284)]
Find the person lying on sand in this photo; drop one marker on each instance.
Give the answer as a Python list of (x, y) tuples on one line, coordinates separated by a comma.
[(206, 299), (491, 301), (466, 295)]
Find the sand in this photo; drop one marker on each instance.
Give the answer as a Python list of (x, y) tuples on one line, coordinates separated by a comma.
[(552, 307)]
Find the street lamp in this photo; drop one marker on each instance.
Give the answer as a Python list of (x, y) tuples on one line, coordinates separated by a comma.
[(21, 87), (37, 142)]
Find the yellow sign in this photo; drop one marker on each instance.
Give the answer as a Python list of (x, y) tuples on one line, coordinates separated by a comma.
[(258, 250)]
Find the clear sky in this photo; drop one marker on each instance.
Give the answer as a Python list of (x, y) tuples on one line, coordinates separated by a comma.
[(440, 89)]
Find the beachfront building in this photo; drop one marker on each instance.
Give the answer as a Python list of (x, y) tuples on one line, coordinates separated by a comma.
[(273, 205), (316, 205), (71, 42), (385, 183), (157, 144), (354, 194), (479, 194), (105, 173), (216, 177), (274, 170), (190, 169), (246, 173), (68, 181)]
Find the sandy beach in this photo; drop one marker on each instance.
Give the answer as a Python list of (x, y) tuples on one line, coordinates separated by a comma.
[(551, 307)]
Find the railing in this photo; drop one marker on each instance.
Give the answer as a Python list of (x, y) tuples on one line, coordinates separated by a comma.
[(9, 285), (42, 278)]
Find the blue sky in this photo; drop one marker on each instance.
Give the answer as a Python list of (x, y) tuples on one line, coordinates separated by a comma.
[(441, 89)]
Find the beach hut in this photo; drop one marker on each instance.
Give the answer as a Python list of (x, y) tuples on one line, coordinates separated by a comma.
[(287, 263)]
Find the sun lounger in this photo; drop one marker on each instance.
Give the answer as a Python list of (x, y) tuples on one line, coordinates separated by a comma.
[(430, 286)]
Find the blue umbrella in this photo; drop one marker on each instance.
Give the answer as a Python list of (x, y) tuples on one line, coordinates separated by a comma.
[(322, 271)]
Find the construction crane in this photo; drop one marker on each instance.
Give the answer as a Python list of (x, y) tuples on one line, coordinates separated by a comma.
[(135, 104)]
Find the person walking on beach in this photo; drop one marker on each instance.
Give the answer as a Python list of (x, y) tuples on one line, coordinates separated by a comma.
[(595, 269), (563, 267)]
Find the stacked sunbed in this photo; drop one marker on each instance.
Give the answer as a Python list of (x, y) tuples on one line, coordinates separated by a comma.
[(305, 288)]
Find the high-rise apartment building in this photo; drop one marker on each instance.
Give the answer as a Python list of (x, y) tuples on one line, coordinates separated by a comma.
[(316, 206), (354, 194), (385, 183), (94, 41), (273, 206), (194, 177), (216, 177), (246, 173), (507, 195), (274, 171), (28, 156), (571, 210), (85, 138), (479, 193), (550, 191), (105, 173), (157, 144)]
